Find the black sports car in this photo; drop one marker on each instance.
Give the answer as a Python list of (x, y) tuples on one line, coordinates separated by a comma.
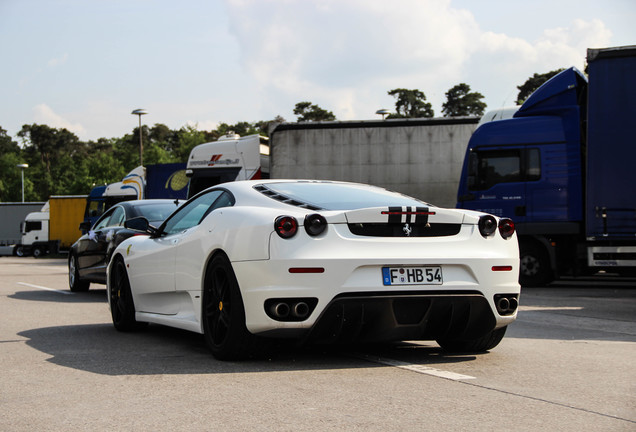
[(90, 254)]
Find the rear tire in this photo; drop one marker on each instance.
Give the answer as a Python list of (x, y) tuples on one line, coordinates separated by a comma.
[(74, 282), (223, 313), (19, 251), (122, 306), (484, 343)]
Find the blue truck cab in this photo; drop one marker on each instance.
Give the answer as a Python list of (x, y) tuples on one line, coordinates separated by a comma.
[(563, 168)]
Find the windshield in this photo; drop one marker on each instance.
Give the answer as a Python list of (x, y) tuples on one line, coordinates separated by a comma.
[(336, 196)]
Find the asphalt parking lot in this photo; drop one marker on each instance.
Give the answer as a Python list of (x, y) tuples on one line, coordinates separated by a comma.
[(566, 364)]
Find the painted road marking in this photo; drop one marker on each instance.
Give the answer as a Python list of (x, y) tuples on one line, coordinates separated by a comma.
[(416, 368), (44, 288)]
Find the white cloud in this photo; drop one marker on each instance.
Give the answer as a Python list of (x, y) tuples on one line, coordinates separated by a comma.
[(44, 114), (346, 54), (330, 51)]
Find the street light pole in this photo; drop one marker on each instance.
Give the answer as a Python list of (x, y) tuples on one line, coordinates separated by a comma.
[(140, 112), (383, 112), (22, 167)]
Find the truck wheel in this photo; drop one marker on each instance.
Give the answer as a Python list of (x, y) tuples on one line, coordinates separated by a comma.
[(37, 252), (535, 267), (74, 282), (19, 251), (484, 343)]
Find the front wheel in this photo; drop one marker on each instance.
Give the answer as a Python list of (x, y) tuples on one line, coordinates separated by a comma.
[(122, 306), (484, 343), (74, 282), (223, 313)]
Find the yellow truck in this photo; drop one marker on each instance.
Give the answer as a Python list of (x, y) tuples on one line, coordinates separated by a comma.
[(55, 227)]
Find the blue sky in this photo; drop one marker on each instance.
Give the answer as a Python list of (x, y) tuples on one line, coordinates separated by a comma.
[(85, 64)]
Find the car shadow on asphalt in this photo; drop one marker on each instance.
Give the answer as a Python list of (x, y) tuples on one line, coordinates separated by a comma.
[(159, 350), (91, 296)]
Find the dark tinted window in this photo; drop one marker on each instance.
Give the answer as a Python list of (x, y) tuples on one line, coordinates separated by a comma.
[(488, 168), (155, 212), (335, 196), (33, 226)]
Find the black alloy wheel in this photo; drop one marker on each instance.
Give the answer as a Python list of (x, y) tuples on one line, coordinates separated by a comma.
[(122, 306), (223, 312)]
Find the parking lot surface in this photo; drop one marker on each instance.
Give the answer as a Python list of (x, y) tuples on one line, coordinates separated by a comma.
[(566, 364)]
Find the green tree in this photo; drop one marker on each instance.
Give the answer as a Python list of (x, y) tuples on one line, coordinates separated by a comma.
[(533, 83), (410, 104), (306, 111), (52, 155), (7, 145), (242, 128), (49, 143), (460, 101), (186, 138), (11, 179)]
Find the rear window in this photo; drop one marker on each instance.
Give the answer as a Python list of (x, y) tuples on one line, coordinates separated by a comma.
[(334, 196), (155, 212)]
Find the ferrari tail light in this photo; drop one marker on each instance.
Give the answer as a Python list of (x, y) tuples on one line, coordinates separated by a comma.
[(506, 228), (315, 224), (487, 225), (286, 226)]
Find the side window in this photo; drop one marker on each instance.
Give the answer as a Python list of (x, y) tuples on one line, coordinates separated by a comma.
[(492, 167), (95, 208), (192, 213), (533, 171), (104, 221), (118, 217), (33, 226)]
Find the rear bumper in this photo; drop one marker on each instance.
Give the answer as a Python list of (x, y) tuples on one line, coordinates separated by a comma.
[(388, 316)]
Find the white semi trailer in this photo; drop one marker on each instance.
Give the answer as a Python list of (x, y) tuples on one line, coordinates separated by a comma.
[(418, 157)]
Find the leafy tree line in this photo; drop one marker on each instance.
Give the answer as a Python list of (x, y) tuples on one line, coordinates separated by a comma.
[(61, 164)]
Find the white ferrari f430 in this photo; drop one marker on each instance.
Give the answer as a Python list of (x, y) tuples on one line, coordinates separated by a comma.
[(318, 261)]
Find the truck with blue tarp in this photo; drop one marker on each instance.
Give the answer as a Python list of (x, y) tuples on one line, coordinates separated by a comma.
[(564, 169), (149, 182)]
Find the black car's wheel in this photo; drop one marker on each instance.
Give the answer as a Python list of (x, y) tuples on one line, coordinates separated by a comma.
[(535, 269), (484, 343), (122, 306), (74, 281), (223, 313)]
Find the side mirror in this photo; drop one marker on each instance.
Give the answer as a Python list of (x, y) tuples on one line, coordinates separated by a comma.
[(84, 226), (138, 224)]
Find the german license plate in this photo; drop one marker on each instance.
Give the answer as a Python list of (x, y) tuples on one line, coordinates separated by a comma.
[(421, 275)]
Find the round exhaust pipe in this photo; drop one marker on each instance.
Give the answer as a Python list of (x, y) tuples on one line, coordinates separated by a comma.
[(503, 305), (280, 310), (300, 310), (514, 304)]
